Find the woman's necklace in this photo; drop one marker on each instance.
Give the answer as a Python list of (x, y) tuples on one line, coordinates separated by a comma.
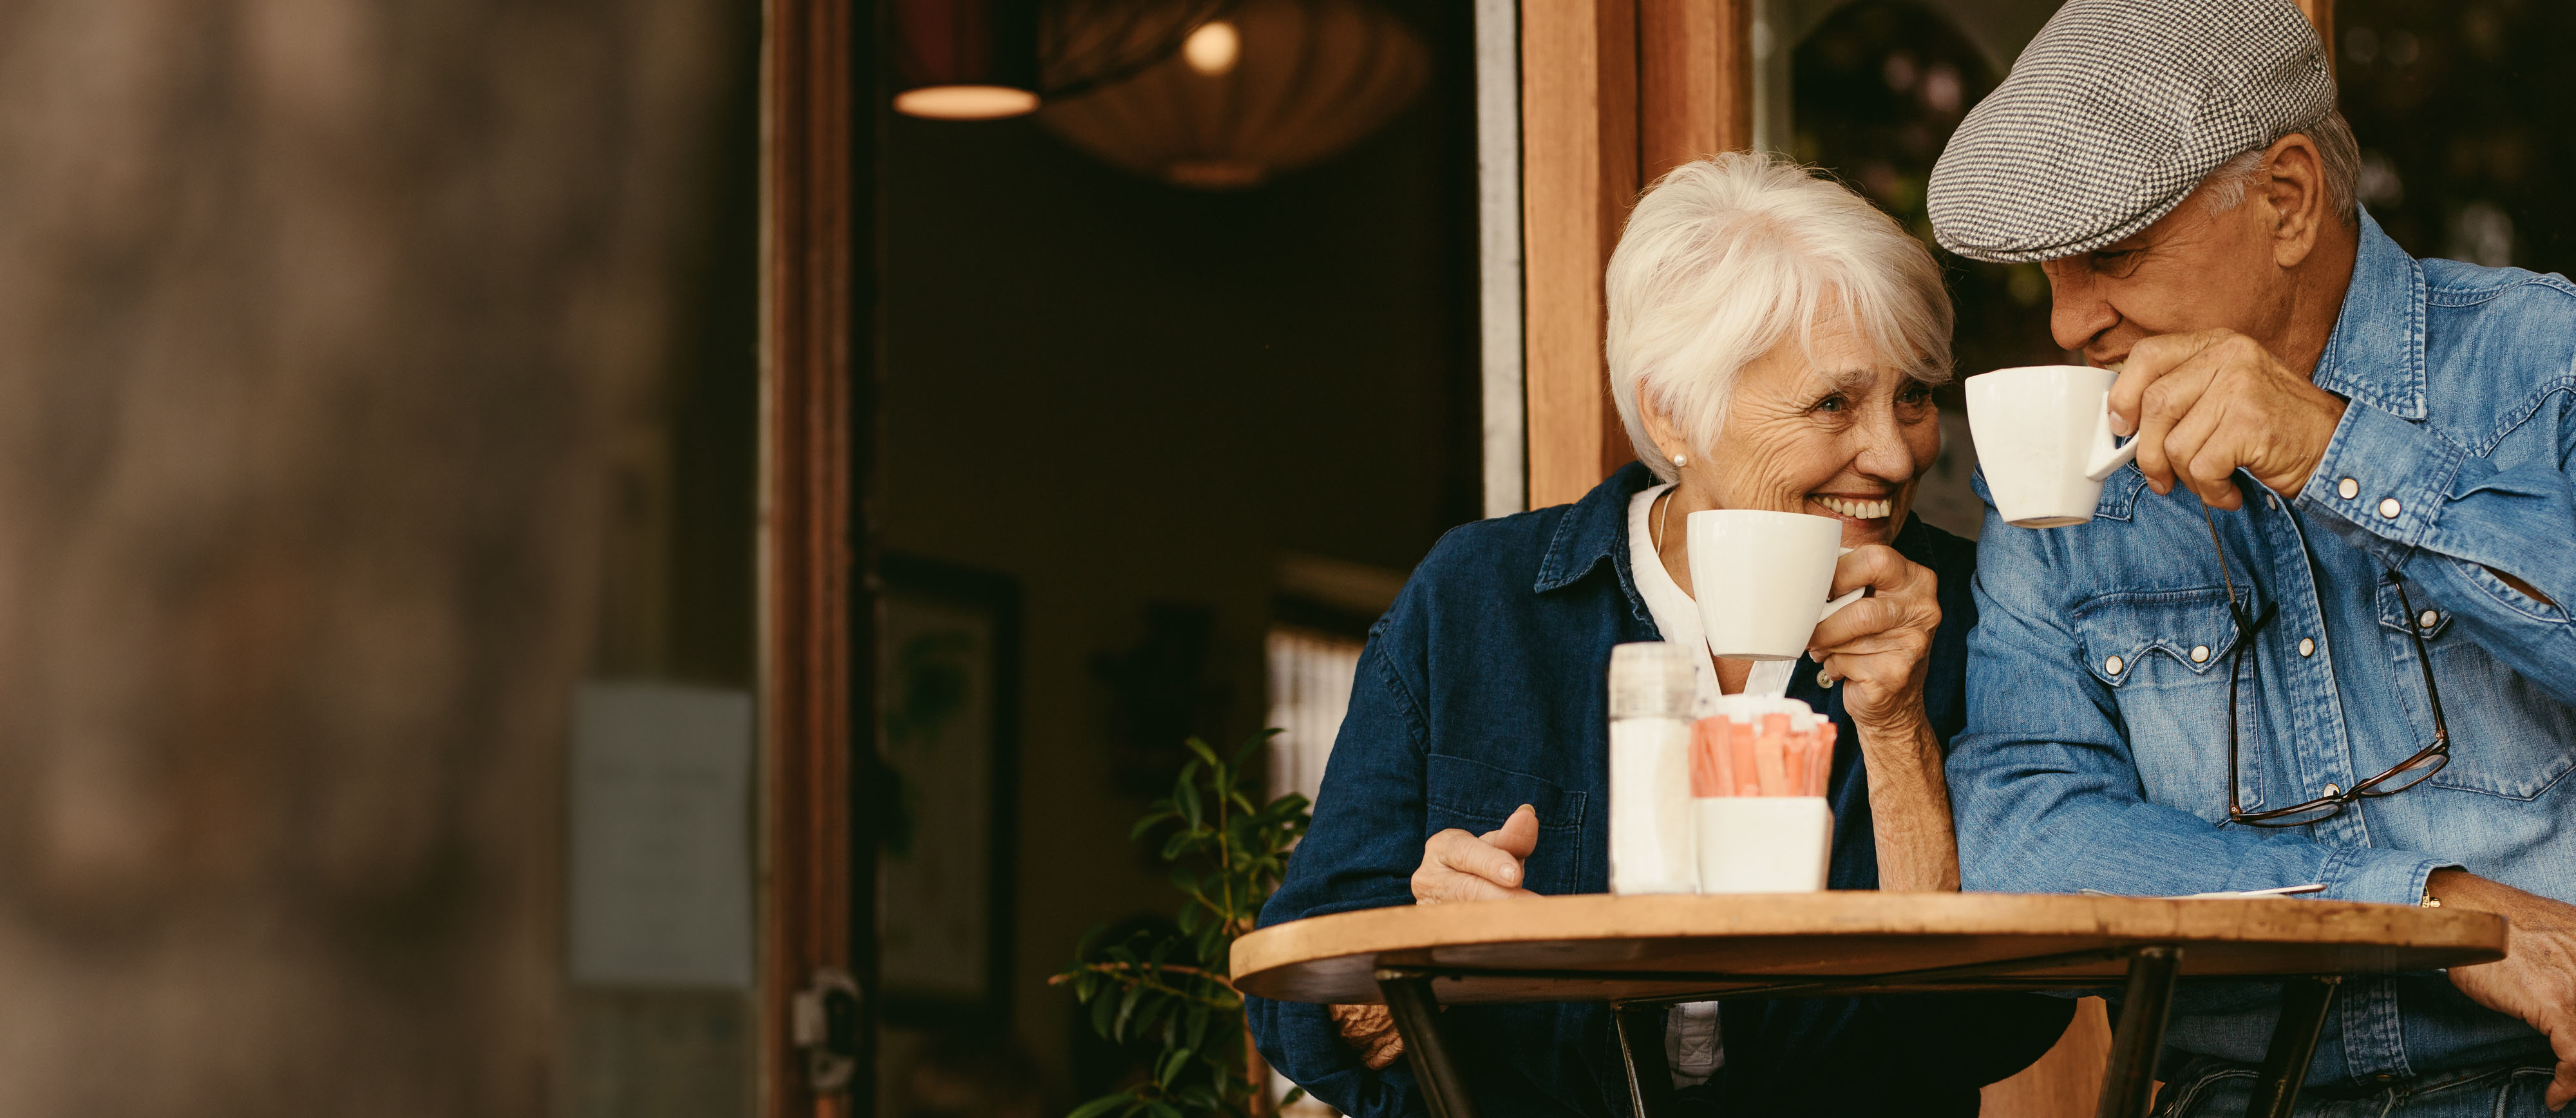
[(1663, 512)]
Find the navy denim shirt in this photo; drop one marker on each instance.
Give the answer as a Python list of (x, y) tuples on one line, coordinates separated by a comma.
[(2099, 702), (1484, 688)]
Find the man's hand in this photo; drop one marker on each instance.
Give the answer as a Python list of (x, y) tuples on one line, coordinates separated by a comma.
[(2206, 403), (1457, 866), (2536, 980)]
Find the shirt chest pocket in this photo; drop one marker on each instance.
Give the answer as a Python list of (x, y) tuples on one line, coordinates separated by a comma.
[(1476, 797), (2166, 656), (2508, 738)]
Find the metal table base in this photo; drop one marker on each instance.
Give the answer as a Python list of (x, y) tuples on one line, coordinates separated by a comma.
[(2126, 1087)]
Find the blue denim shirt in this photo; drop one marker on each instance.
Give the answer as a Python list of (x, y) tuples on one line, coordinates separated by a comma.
[(2096, 755), (1484, 688)]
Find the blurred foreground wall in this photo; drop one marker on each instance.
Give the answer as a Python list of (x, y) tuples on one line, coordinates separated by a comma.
[(316, 317)]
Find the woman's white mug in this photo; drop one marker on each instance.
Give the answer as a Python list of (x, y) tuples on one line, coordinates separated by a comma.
[(1760, 579), (2044, 441)]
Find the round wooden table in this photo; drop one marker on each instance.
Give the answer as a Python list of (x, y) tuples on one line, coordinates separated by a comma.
[(1642, 953)]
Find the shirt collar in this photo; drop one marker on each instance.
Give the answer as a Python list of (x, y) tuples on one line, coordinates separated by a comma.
[(1595, 531), (2376, 354)]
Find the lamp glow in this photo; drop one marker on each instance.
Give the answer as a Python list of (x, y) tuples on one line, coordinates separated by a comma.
[(1213, 49), (965, 102)]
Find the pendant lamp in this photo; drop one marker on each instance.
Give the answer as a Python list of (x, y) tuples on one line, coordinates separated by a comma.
[(1267, 86), (966, 59), (988, 59)]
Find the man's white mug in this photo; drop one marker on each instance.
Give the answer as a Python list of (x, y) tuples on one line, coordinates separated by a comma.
[(2044, 441), (1760, 579)]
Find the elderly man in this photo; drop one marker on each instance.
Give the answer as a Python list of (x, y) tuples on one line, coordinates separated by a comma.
[(2320, 632)]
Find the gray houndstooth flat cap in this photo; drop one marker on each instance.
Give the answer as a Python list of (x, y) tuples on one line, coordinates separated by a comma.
[(2114, 113)]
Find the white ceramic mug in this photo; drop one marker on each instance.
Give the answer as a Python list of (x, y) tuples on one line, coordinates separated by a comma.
[(1760, 579), (2044, 441)]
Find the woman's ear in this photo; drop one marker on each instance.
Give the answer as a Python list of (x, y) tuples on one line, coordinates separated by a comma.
[(1659, 427)]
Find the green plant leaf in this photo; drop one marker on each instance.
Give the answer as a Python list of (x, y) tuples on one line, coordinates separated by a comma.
[(1126, 1007), (1160, 1109), (1188, 795), (1170, 1068), (1103, 1012), (1205, 753), (1102, 1105), (1294, 1094)]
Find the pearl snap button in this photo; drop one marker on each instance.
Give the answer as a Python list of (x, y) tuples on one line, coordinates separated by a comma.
[(2200, 654), (2112, 665), (2427, 618), (2388, 508), (2307, 647), (2348, 489), (2333, 790), (2271, 500)]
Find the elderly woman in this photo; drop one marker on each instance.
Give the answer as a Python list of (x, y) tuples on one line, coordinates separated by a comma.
[(1773, 344)]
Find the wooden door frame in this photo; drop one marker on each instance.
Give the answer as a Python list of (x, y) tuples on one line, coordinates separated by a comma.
[(1613, 93), (820, 119)]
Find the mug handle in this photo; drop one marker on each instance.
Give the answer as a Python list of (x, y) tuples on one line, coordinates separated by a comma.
[(1835, 606), (2112, 453)]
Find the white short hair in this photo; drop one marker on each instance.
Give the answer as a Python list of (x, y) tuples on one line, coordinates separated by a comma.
[(1726, 258), (2336, 149)]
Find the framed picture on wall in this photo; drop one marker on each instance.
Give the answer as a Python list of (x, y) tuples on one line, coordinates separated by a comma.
[(948, 687)]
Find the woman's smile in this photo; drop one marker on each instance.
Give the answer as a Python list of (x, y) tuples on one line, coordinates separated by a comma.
[(1869, 511)]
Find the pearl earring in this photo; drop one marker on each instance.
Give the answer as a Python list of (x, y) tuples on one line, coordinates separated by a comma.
[(1680, 460)]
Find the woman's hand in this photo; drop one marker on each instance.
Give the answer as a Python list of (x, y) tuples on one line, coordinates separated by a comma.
[(1881, 644), (1456, 866)]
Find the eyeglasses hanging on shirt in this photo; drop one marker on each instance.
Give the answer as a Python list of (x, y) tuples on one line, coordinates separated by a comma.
[(2404, 775)]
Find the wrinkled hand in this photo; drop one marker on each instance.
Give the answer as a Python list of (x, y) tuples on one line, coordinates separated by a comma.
[(2205, 403), (1457, 866), (1881, 644), (2536, 980), (1370, 1030)]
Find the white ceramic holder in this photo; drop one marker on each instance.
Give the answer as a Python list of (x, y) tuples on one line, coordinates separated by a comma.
[(1763, 844)]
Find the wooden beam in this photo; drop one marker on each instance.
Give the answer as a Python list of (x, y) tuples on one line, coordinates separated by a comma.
[(1694, 80), (2321, 14), (1579, 174), (1613, 94)]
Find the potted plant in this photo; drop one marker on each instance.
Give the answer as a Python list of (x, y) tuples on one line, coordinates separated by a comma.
[(1172, 989)]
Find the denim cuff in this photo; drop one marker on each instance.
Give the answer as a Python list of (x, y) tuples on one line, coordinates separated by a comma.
[(2400, 473), (2360, 873)]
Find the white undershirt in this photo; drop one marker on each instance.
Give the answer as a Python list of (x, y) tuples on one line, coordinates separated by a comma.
[(1677, 616), (1691, 1042)]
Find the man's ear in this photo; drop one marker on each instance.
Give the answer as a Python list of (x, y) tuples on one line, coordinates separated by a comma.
[(2293, 183)]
